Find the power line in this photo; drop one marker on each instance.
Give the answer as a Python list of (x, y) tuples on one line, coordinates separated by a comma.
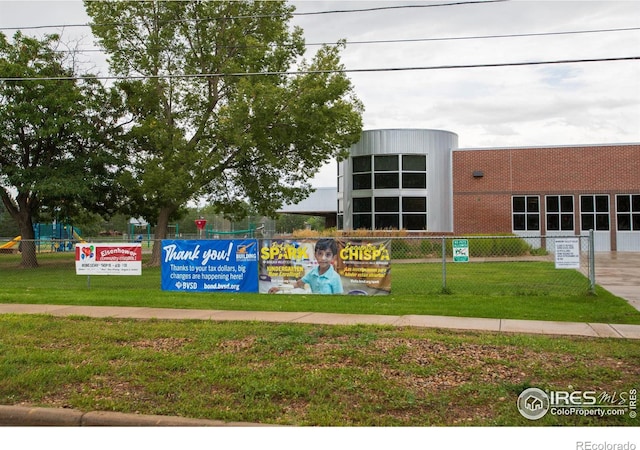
[(321, 72), (382, 8), (411, 40), (490, 36), (263, 16)]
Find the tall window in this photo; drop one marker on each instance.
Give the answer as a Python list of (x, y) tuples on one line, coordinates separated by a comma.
[(559, 213), (362, 213), (414, 175), (361, 172), (387, 209), (594, 212), (414, 213), (362, 221), (386, 173), (526, 213), (628, 212)]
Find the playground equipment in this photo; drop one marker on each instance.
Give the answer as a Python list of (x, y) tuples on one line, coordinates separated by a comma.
[(141, 231), (12, 246), (49, 237), (249, 233), (56, 237)]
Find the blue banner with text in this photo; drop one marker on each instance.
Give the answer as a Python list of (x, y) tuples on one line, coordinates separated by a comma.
[(210, 265)]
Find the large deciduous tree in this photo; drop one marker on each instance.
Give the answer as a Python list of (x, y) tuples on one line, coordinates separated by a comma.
[(215, 112), (56, 136)]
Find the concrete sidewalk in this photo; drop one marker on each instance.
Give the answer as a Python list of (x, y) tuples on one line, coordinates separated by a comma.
[(446, 322), (619, 273)]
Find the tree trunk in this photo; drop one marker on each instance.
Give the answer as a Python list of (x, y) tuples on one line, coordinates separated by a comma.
[(162, 229), (20, 211), (27, 243)]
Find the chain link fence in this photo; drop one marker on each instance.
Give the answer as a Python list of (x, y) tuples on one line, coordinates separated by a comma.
[(467, 265)]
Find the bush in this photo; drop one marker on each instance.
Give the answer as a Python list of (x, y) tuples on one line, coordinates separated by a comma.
[(400, 249), (498, 246)]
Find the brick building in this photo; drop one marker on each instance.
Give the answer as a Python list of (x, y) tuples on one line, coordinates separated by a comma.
[(419, 180), (564, 190)]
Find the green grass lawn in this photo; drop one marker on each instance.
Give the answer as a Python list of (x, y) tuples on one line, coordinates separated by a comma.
[(314, 375), (304, 375), (505, 290)]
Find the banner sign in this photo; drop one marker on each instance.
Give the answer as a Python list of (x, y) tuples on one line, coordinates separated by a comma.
[(325, 266), (109, 259), (210, 265)]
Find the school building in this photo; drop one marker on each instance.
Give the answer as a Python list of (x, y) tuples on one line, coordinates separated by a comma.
[(419, 180)]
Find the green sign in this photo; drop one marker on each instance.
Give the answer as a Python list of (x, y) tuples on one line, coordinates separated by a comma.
[(461, 250)]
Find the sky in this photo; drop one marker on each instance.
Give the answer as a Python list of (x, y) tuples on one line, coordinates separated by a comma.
[(530, 105)]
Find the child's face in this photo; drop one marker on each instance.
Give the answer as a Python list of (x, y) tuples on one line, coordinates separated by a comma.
[(324, 258)]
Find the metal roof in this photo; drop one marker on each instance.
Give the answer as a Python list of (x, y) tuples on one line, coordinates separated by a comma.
[(322, 200)]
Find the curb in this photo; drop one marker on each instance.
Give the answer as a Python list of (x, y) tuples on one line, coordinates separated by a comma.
[(65, 417)]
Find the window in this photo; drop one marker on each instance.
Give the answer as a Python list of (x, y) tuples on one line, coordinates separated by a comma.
[(414, 172), (361, 164), (386, 174), (384, 206), (594, 212), (628, 212), (414, 180), (414, 204), (362, 221), (387, 204), (414, 163), (560, 213), (411, 206), (414, 221), (387, 171), (387, 221), (361, 205), (386, 163), (361, 172), (526, 213), (361, 181), (386, 180)]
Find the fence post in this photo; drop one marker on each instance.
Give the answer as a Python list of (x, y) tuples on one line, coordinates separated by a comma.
[(444, 265), (592, 264)]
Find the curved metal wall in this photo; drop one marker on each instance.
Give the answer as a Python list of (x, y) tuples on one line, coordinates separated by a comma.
[(437, 145)]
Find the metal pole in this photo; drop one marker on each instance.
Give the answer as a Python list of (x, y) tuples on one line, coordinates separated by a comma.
[(592, 264), (444, 265)]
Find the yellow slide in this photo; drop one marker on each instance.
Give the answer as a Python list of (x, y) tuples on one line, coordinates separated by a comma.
[(77, 237), (12, 243)]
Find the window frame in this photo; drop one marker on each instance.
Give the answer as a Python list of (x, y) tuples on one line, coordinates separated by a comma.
[(529, 216)]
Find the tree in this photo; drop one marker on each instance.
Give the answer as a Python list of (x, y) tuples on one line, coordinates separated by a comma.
[(215, 113), (56, 138)]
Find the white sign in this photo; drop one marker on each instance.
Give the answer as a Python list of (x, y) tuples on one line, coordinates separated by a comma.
[(461, 250), (568, 253), (109, 259)]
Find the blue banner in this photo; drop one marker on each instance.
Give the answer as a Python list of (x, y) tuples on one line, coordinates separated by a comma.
[(210, 265)]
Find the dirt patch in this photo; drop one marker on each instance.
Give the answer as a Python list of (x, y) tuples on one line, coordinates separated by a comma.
[(165, 344)]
